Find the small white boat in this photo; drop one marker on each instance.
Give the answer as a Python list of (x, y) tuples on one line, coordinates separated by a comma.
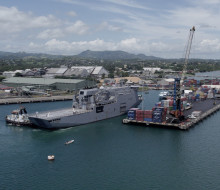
[(51, 157), (69, 142)]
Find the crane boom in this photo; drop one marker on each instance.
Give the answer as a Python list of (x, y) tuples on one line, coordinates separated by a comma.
[(177, 82), (188, 48)]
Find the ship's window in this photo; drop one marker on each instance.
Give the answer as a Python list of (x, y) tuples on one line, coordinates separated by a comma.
[(99, 109), (81, 92)]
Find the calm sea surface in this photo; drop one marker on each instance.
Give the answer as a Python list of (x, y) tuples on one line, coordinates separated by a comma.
[(109, 155)]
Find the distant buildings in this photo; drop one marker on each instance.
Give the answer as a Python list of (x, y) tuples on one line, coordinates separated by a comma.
[(9, 74), (84, 71), (152, 69), (47, 83), (52, 72), (80, 72), (166, 82), (25, 73)]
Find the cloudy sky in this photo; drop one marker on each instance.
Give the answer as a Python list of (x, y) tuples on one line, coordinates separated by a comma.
[(153, 27)]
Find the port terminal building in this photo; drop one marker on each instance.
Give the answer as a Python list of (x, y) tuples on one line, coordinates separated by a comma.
[(48, 83)]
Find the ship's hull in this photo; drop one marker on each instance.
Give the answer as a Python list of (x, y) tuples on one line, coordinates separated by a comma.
[(100, 112)]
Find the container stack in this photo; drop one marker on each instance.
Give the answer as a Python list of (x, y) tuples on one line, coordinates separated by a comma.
[(159, 114), (139, 115), (148, 115), (132, 114), (165, 103)]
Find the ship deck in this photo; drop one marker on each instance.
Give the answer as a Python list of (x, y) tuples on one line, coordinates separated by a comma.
[(53, 114)]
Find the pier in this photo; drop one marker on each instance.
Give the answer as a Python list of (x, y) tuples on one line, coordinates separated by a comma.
[(207, 108), (35, 99)]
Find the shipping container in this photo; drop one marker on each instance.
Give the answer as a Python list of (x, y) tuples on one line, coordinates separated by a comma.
[(131, 114), (148, 119), (148, 112)]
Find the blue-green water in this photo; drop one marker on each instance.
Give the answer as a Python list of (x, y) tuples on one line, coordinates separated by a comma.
[(109, 155)]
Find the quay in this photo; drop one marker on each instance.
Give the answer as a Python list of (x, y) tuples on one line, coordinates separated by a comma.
[(207, 108), (35, 99)]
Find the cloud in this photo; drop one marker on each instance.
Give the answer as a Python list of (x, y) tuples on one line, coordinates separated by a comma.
[(129, 44), (57, 46), (211, 45), (159, 46), (127, 3), (128, 25), (106, 26), (12, 20), (205, 25), (74, 2), (72, 13), (78, 28), (64, 47), (207, 2), (51, 33), (54, 46)]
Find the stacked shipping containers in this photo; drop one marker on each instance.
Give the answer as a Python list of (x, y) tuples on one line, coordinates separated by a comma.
[(139, 115), (148, 115), (159, 114), (132, 113)]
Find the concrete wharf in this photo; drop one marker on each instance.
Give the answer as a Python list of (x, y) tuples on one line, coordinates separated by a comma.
[(35, 99), (207, 108)]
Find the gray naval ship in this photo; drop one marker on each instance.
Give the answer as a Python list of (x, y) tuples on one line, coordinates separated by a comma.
[(90, 105)]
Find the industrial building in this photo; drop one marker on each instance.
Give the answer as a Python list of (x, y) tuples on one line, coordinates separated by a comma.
[(47, 83)]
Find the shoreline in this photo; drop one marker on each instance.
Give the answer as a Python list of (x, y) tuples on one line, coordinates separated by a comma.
[(35, 99)]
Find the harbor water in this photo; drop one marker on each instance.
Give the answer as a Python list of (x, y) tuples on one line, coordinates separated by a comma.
[(108, 155)]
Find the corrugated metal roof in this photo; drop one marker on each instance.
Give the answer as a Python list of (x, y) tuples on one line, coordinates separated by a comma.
[(41, 81), (96, 70), (61, 70), (56, 70), (88, 68)]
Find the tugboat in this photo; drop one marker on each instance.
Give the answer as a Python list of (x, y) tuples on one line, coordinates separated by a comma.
[(18, 117)]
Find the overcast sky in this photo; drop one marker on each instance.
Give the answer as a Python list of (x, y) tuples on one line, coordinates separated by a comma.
[(153, 27)]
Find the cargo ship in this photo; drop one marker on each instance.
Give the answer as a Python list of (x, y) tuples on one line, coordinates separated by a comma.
[(90, 105)]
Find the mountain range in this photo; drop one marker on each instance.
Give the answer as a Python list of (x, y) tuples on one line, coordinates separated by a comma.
[(105, 55), (22, 55), (114, 55)]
